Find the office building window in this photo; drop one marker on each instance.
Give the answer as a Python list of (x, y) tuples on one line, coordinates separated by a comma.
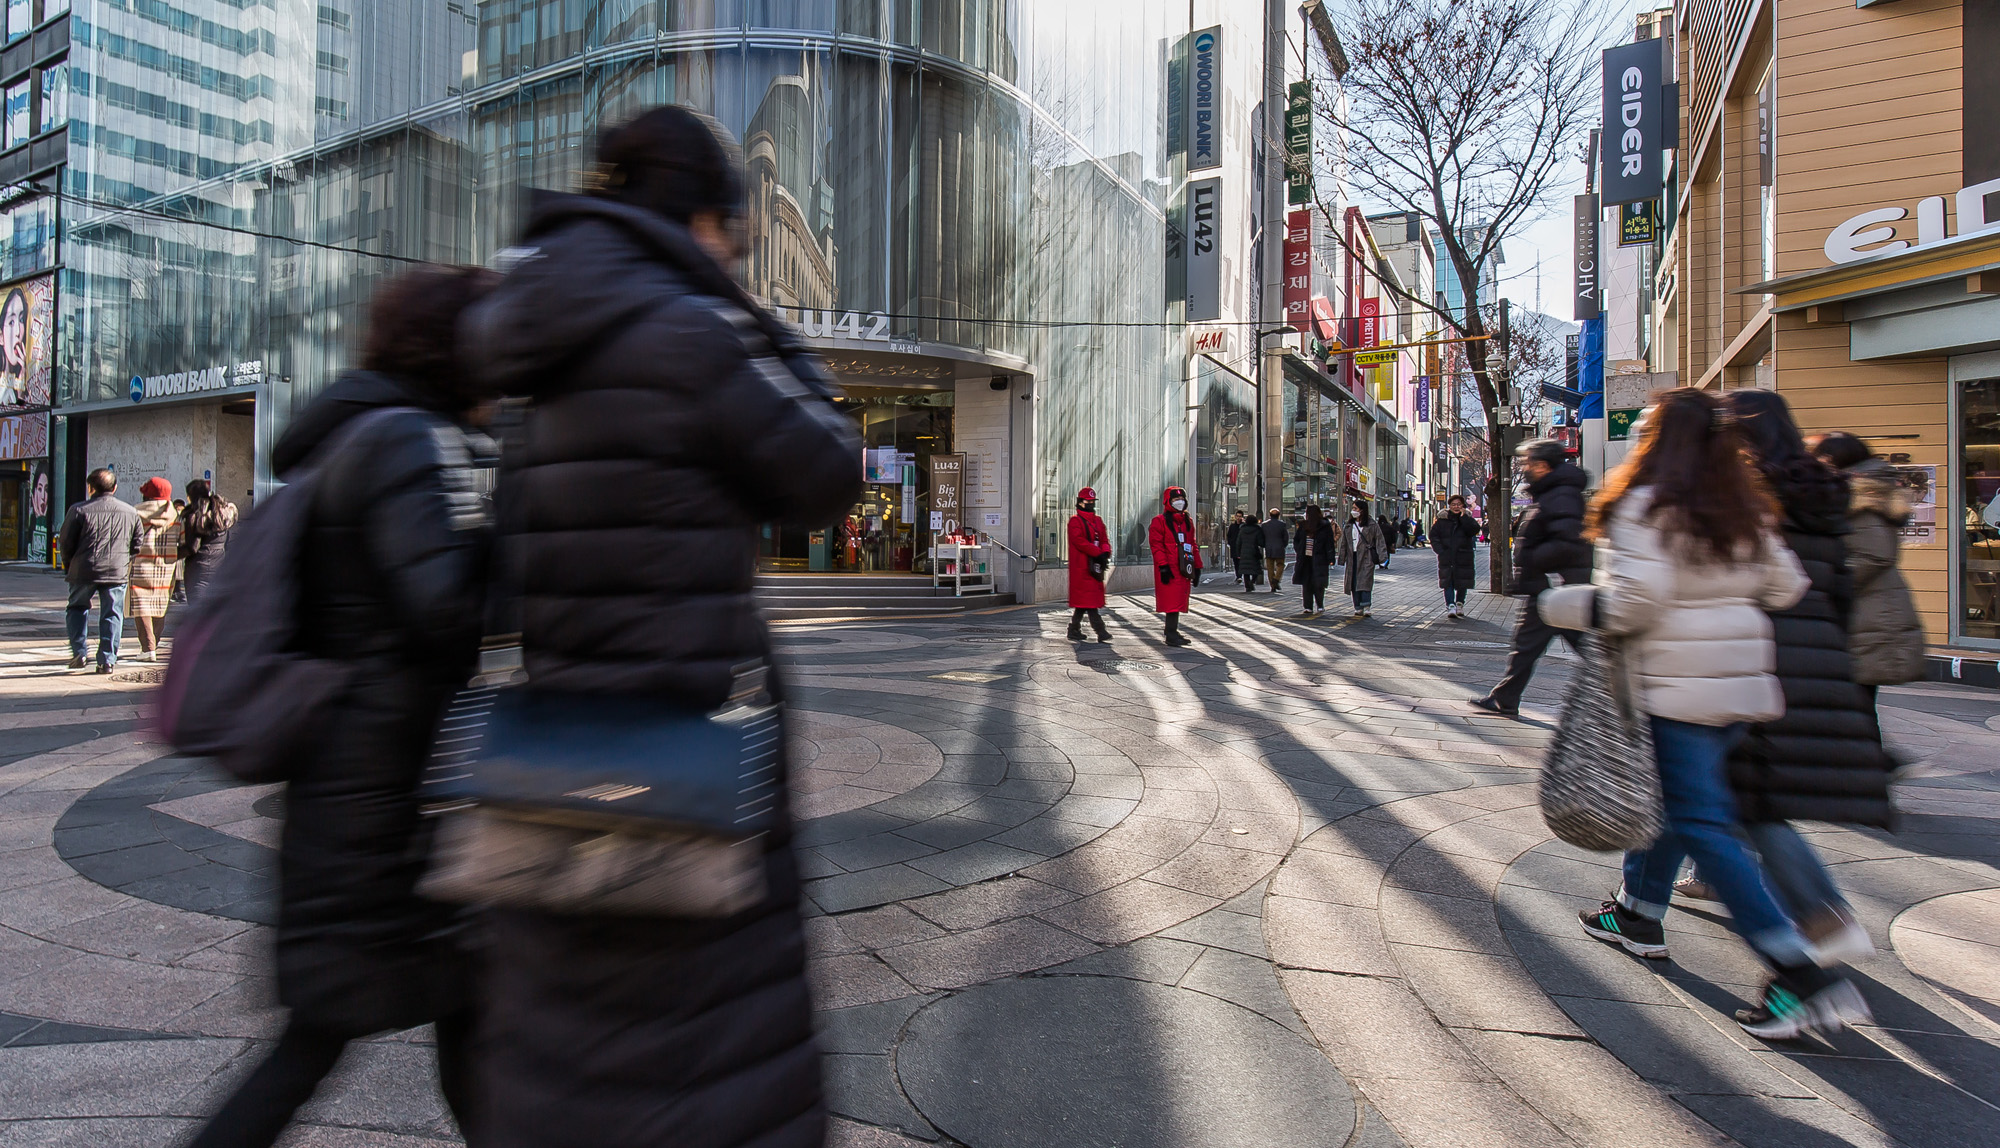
[(54, 8), (20, 121), (20, 18), (54, 111)]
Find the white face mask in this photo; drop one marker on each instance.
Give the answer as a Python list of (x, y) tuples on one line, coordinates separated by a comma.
[(1180, 504), (1356, 516)]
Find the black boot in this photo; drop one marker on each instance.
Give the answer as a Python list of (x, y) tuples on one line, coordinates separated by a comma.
[(1097, 624), (1076, 626)]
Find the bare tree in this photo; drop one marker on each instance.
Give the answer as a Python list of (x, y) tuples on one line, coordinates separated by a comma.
[(1465, 112)]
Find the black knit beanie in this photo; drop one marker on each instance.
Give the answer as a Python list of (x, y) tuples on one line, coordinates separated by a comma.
[(674, 162)]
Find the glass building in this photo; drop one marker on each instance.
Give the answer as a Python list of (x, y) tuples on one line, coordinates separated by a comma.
[(965, 204)]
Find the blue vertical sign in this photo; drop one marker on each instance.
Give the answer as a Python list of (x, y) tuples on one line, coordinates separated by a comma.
[(1204, 100), (1590, 370), (1423, 386)]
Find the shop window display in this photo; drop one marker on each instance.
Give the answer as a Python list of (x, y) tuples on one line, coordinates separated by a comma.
[(1979, 470)]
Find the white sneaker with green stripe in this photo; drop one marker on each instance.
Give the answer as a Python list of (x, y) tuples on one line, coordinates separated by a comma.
[(1791, 1010)]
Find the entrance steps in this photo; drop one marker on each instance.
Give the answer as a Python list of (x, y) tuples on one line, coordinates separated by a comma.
[(796, 596)]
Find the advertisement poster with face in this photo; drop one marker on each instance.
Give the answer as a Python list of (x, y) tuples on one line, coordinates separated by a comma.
[(38, 510), (27, 341)]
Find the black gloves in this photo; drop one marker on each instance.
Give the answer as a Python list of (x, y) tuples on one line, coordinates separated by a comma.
[(1166, 574)]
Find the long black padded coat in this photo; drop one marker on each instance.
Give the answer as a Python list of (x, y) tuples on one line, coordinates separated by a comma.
[(1455, 537), (670, 420), (1823, 760), (1550, 540), (391, 584)]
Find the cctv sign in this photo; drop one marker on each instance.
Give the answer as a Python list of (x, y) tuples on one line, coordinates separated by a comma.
[(1635, 108)]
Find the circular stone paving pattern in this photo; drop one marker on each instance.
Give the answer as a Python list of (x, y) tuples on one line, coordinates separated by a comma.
[(1120, 1062), (840, 763)]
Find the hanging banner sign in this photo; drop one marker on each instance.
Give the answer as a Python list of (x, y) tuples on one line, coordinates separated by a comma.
[(1635, 224), (1204, 100), (1298, 270), (1299, 144), (1371, 322), (1204, 261), (1375, 358), (1634, 108), (1423, 404), (1324, 322), (1584, 297)]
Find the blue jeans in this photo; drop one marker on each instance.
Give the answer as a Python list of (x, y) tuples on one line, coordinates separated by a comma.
[(1796, 872), (1454, 597), (1362, 598), (110, 623), (1701, 823)]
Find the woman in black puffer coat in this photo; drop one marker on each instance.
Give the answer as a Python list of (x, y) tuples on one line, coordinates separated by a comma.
[(672, 418), (1824, 760), (391, 584)]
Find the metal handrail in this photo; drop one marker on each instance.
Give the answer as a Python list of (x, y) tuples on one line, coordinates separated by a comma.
[(1030, 559)]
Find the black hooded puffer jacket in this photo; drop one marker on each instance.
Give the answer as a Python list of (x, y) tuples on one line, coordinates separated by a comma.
[(1551, 536), (392, 582), (1824, 760), (671, 420)]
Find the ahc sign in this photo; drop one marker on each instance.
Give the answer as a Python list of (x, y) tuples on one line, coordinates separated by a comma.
[(195, 382)]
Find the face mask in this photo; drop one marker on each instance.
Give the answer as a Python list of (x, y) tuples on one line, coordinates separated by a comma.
[(1180, 504), (1356, 516)]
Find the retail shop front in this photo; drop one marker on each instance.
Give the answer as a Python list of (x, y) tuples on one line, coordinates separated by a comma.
[(1922, 326), (180, 426), (920, 408)]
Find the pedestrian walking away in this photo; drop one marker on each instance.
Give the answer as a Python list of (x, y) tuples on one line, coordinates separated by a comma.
[(1455, 538), (1089, 566), (1176, 560), (99, 538), (152, 586), (204, 536), (1688, 562), (673, 418), (1823, 759), (1247, 552), (1277, 540), (1883, 634), (391, 586), (1390, 541), (1313, 548), (1549, 544), (1361, 550), (1229, 538)]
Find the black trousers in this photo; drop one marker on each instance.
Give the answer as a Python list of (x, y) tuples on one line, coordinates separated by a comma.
[(263, 1105), (1080, 613), (1531, 639), (1173, 625), (1315, 593)]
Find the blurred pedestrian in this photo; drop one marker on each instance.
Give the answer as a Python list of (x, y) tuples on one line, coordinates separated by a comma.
[(152, 584), (1884, 635), (1089, 567), (1229, 538), (1313, 548), (1277, 540), (1176, 560), (1455, 538), (1247, 552), (99, 538), (673, 419), (391, 583), (1688, 562), (204, 535), (1361, 550), (180, 564), (1823, 759), (1548, 546)]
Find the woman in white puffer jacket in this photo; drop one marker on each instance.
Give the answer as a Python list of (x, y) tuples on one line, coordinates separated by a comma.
[(1688, 560)]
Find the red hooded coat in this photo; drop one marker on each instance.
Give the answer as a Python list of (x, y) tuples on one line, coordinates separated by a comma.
[(1087, 539), (1172, 538)]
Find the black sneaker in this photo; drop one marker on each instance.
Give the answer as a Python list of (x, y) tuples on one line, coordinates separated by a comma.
[(1493, 707), (1640, 936), (78, 662), (1803, 1000), (1076, 633)]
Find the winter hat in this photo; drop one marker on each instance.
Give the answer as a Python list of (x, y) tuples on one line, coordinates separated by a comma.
[(156, 490), (673, 162)]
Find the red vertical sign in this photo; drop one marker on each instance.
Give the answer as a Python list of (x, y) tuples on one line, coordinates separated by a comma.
[(1298, 270), (1371, 321)]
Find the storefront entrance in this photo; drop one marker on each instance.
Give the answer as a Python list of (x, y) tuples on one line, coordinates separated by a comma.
[(887, 530)]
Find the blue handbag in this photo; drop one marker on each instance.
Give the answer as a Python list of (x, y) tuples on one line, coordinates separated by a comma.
[(585, 803)]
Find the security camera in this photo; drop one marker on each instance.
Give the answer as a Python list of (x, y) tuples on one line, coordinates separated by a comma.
[(1000, 384)]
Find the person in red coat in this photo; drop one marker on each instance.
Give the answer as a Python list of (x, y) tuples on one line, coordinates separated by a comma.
[(1176, 560), (1089, 565)]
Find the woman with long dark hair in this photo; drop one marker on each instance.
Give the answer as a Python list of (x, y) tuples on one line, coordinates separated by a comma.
[(392, 585), (1822, 760), (1362, 549), (1315, 544), (1687, 563), (204, 536)]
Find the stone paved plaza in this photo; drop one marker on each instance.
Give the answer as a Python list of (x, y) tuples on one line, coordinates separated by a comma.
[(1280, 888)]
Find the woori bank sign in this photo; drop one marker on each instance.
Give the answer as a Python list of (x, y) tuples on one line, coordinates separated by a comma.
[(178, 383), (1204, 100)]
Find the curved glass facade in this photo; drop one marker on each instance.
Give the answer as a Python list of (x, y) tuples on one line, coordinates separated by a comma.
[(991, 176)]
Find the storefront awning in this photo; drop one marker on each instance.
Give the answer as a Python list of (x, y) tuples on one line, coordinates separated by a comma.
[(1939, 299)]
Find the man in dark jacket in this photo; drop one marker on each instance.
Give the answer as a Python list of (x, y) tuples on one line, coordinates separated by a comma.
[(1549, 542), (98, 540), (673, 417), (1246, 550), (1277, 539)]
